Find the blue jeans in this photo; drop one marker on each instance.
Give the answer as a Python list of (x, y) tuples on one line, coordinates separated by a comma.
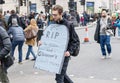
[(20, 45), (105, 40), (30, 50)]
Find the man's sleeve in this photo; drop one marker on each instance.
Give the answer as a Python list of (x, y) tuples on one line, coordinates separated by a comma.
[(6, 43), (73, 41)]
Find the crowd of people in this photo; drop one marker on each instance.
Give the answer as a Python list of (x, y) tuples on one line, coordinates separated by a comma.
[(12, 34), (13, 26), (80, 19)]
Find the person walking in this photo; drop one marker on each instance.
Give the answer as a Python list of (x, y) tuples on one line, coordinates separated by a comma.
[(86, 18), (113, 21), (7, 17), (5, 47), (13, 16), (57, 13), (2, 22), (22, 21), (31, 42), (40, 22), (117, 24), (17, 36), (102, 35)]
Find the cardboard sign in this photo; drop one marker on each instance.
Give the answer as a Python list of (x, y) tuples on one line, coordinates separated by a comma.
[(50, 54)]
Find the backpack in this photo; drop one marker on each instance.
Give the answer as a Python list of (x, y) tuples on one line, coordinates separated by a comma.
[(76, 52), (30, 33), (77, 49), (77, 46)]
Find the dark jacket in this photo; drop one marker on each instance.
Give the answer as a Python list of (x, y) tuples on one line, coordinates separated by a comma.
[(73, 37), (10, 20), (5, 44), (97, 31), (3, 23), (22, 22)]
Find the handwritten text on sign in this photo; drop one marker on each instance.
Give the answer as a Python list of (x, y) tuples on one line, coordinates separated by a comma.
[(50, 55)]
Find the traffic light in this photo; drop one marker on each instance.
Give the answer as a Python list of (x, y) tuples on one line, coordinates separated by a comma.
[(24, 2), (21, 2), (54, 2), (72, 5), (51, 2), (75, 4), (2, 1), (82, 2)]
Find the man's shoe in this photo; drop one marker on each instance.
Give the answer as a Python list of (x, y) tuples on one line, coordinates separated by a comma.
[(20, 62), (109, 55), (33, 59), (26, 58), (103, 57)]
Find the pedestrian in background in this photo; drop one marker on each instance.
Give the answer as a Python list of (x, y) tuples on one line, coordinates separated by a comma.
[(32, 15), (17, 36), (2, 22), (82, 20), (113, 21), (22, 21), (13, 16), (117, 24), (7, 17), (40, 22), (102, 36), (86, 18), (31, 42), (5, 47)]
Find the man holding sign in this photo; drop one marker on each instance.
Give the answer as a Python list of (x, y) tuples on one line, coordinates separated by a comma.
[(72, 44)]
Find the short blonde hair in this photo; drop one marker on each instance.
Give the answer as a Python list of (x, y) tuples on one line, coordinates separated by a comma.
[(113, 15)]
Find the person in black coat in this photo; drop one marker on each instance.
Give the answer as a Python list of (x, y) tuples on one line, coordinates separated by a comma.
[(5, 47), (13, 16)]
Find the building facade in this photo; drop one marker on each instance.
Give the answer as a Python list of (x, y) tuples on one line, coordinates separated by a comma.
[(91, 6)]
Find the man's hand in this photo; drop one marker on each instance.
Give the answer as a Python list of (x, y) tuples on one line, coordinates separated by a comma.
[(39, 43), (67, 53)]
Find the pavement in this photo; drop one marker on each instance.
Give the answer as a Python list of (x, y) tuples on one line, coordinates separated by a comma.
[(25, 73)]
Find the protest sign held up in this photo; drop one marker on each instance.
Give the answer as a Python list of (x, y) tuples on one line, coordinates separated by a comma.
[(50, 54)]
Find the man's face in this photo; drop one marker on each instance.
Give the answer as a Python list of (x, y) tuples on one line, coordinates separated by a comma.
[(104, 13), (56, 15)]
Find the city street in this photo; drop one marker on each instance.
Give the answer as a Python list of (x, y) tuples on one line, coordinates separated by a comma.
[(87, 67)]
